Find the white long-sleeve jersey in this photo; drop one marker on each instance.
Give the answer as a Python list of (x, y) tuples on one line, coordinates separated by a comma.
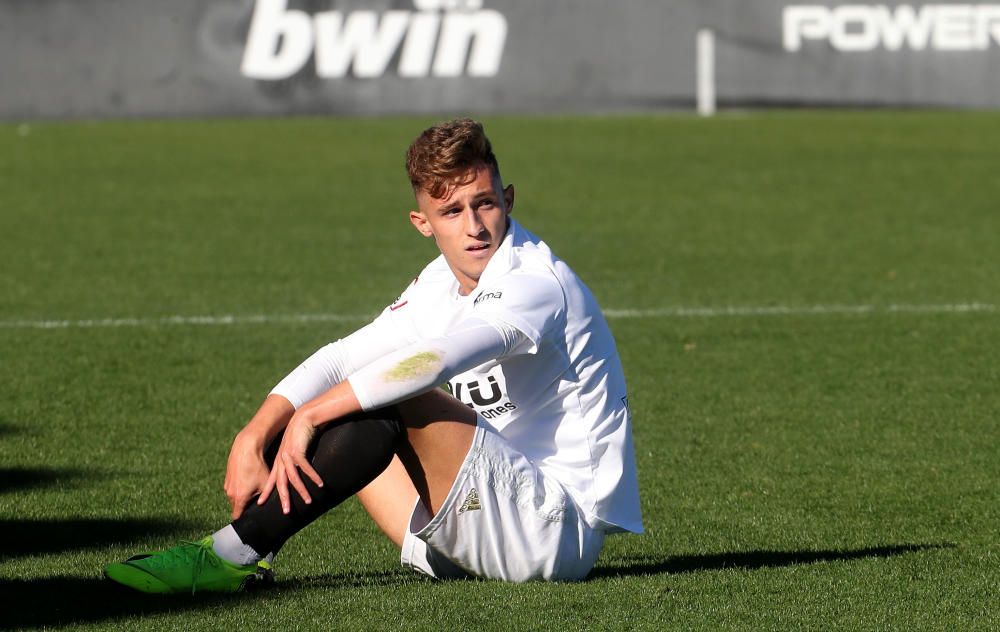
[(528, 349)]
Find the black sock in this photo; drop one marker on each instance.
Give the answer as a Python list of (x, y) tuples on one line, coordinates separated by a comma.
[(347, 454)]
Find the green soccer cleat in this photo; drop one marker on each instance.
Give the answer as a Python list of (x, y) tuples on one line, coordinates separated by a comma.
[(191, 566)]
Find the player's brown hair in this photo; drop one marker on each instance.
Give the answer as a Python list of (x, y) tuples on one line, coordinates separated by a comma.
[(443, 156)]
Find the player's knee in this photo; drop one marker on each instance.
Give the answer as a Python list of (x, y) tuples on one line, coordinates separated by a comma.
[(367, 440)]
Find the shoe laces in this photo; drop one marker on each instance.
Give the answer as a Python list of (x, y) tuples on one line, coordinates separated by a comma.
[(195, 553), (203, 554)]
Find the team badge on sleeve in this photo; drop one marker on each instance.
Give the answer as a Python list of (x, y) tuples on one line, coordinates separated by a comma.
[(399, 302)]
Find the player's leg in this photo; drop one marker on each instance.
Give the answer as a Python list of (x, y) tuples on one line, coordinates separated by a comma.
[(439, 431), (544, 535), (389, 500), (486, 509), (347, 454)]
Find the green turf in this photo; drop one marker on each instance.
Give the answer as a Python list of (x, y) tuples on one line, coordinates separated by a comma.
[(806, 470)]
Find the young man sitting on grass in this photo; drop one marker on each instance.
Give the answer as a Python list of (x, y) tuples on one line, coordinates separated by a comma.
[(517, 472)]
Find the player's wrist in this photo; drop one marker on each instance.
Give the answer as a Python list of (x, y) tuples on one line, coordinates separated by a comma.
[(266, 424), (251, 438), (308, 417)]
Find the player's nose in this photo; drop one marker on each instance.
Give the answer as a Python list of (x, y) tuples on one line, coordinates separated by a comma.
[(473, 225)]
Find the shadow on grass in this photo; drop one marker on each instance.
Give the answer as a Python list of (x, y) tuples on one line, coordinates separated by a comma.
[(57, 601), (14, 479), (30, 537), (750, 560)]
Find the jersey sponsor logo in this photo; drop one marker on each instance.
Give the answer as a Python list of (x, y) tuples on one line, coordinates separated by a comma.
[(486, 396), (476, 392), (860, 27), (487, 296), (493, 413), (440, 38)]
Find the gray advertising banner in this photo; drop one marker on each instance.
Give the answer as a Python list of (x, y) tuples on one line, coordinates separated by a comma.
[(125, 58), (777, 52)]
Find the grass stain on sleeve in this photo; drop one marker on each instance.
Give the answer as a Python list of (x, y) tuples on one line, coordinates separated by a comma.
[(414, 366)]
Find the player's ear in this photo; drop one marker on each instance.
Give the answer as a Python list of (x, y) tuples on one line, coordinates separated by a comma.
[(419, 221), (508, 198)]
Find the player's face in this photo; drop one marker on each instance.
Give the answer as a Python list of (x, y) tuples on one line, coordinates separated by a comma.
[(468, 224)]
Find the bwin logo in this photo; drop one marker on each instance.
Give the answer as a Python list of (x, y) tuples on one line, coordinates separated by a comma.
[(442, 38)]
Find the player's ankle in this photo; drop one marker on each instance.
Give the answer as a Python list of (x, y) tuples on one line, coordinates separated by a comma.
[(227, 544)]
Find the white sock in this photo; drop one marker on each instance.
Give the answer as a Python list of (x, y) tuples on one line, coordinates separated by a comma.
[(230, 547)]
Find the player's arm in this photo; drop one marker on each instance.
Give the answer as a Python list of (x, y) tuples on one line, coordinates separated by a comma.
[(399, 375), (507, 320), (424, 365), (246, 470), (331, 364), (336, 402)]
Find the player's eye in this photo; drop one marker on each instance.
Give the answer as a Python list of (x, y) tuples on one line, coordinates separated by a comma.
[(486, 203)]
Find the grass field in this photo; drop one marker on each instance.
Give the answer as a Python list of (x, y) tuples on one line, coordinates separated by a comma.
[(806, 305)]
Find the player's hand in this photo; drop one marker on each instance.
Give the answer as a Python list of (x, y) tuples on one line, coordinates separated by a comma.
[(246, 473), (291, 460)]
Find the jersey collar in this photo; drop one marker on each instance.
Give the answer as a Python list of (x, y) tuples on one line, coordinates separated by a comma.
[(502, 260)]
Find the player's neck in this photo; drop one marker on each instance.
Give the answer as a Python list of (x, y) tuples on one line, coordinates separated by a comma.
[(466, 287), (466, 284)]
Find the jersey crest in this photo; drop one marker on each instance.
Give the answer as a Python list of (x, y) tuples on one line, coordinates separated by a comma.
[(399, 302)]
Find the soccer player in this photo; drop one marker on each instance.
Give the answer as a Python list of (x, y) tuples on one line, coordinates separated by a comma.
[(515, 469)]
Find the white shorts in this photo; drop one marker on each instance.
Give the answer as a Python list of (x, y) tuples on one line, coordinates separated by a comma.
[(503, 519)]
